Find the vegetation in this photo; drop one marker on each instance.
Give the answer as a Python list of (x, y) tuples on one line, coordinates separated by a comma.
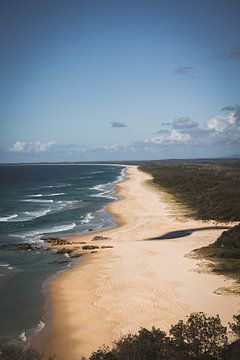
[(224, 253), (229, 242), (209, 188), (200, 337), (12, 352)]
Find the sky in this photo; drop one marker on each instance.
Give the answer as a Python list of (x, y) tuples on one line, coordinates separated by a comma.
[(105, 80)]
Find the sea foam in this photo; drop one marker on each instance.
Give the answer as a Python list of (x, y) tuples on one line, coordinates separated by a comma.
[(8, 218)]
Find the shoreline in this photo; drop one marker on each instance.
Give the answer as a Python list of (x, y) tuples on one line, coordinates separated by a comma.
[(116, 291)]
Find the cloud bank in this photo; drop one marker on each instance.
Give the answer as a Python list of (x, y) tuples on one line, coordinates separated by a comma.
[(28, 147), (180, 138)]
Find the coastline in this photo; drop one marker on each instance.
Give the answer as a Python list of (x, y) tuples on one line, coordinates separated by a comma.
[(138, 282)]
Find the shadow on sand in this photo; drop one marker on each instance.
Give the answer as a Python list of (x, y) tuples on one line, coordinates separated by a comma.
[(185, 232)]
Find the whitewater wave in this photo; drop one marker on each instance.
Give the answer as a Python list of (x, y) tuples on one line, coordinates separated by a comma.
[(37, 213), (87, 218), (104, 191), (35, 195), (46, 195), (40, 327), (97, 172), (122, 176), (56, 186), (33, 235), (23, 336), (38, 200), (8, 217), (7, 266), (84, 177)]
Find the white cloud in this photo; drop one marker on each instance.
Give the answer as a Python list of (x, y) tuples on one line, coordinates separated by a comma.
[(42, 147), (29, 147), (226, 128), (178, 137), (19, 147), (108, 148), (217, 123), (183, 137), (171, 137)]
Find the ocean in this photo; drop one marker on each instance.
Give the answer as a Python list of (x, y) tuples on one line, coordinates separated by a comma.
[(38, 200)]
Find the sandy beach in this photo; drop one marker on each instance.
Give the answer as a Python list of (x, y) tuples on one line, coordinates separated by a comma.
[(141, 281)]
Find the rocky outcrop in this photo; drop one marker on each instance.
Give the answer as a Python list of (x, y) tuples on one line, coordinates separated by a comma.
[(64, 251), (27, 246), (76, 256), (55, 240), (99, 237), (90, 247)]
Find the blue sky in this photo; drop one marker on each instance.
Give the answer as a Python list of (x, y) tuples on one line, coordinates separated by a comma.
[(119, 80)]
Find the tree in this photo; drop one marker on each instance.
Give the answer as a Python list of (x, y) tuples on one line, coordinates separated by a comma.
[(200, 336), (235, 326), (12, 352)]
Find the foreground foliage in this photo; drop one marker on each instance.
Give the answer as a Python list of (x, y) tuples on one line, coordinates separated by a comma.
[(200, 337), (11, 352)]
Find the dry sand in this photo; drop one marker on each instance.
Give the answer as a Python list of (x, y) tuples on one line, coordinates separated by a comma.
[(137, 283)]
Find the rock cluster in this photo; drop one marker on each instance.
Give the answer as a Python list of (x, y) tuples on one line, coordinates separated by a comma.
[(55, 240), (99, 237), (27, 246), (90, 247)]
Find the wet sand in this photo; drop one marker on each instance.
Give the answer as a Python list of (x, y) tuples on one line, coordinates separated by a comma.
[(139, 282)]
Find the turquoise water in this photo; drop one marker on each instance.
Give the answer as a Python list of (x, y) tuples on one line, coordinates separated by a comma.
[(37, 200)]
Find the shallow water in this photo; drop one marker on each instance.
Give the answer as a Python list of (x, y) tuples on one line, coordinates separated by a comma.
[(36, 200)]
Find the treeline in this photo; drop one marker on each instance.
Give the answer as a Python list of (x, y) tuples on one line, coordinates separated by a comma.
[(209, 188), (198, 338)]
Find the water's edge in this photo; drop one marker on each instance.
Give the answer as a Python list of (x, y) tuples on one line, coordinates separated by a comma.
[(40, 340)]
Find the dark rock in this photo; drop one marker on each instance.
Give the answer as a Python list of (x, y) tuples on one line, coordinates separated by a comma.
[(90, 229), (76, 256), (106, 246), (64, 251), (99, 237), (90, 247), (46, 237), (56, 241), (27, 246)]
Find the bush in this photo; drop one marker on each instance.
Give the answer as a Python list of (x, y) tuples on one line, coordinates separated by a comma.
[(200, 337), (11, 352)]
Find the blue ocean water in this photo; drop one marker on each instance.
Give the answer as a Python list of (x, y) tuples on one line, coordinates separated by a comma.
[(38, 200)]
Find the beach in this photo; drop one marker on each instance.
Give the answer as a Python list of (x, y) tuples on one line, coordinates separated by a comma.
[(140, 281)]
